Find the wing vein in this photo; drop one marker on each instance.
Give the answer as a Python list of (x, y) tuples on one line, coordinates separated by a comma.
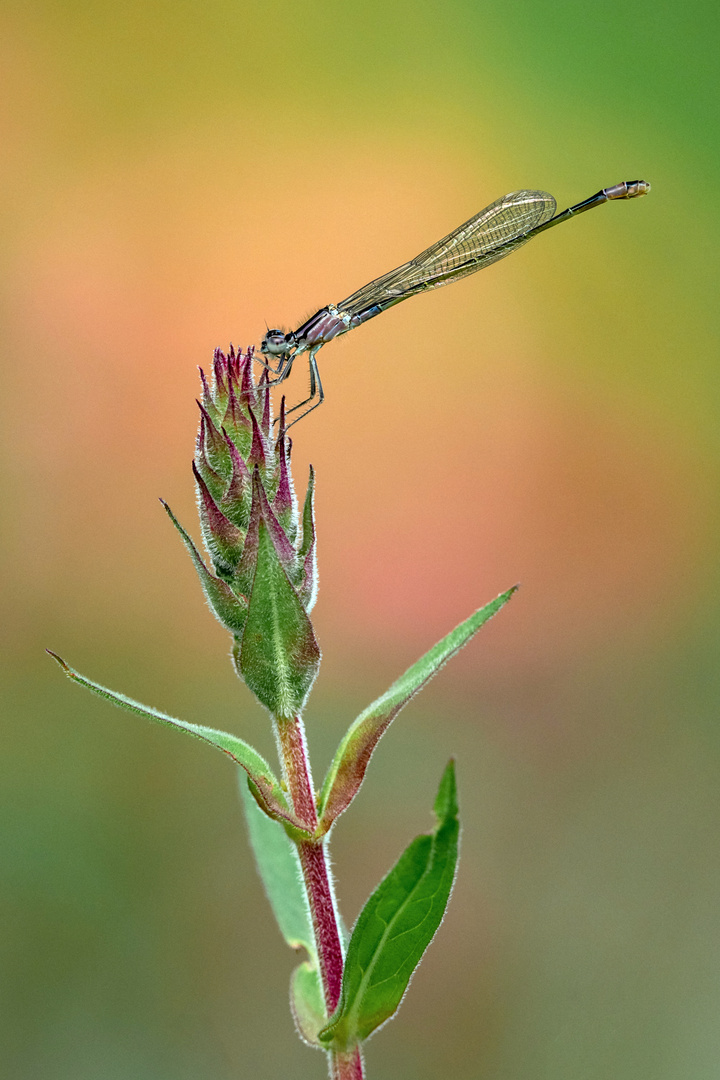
[(490, 235)]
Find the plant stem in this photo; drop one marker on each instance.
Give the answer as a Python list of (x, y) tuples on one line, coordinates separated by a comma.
[(324, 918), (292, 747), (348, 1066)]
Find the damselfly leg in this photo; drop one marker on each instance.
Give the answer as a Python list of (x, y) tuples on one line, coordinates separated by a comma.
[(316, 390)]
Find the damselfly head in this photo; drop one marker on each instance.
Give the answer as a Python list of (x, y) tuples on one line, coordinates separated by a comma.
[(275, 343)]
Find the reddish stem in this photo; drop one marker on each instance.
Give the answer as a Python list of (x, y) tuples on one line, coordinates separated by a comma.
[(347, 1066), (318, 883), (314, 863), (324, 918)]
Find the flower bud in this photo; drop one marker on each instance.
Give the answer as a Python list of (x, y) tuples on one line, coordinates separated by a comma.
[(249, 517)]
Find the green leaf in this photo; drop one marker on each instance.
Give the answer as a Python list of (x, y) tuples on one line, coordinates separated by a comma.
[(279, 868), (347, 770), (229, 608), (279, 656), (396, 926), (307, 1003), (308, 517), (307, 550), (264, 785)]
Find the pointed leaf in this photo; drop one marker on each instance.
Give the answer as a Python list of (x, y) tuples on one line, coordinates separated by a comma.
[(247, 381), (285, 550), (265, 400), (279, 656), (220, 370), (213, 443), (207, 395), (223, 539), (234, 501), (258, 449), (347, 770), (308, 516), (234, 418), (216, 483), (308, 549), (230, 608), (245, 570), (284, 506), (396, 926), (264, 785)]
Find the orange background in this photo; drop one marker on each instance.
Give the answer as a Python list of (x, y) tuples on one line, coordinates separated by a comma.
[(174, 177)]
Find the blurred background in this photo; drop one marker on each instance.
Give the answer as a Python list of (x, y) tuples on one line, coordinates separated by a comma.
[(175, 175)]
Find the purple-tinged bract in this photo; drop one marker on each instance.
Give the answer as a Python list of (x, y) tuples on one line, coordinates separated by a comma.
[(243, 480)]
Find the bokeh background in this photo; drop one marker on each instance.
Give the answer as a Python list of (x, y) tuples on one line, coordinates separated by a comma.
[(174, 175)]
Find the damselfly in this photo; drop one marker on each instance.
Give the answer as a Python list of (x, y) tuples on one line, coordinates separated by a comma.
[(499, 229)]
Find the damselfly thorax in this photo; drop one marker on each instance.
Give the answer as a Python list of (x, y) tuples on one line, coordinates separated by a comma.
[(490, 235)]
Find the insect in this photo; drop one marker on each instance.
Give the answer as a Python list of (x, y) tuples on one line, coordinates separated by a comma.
[(493, 233)]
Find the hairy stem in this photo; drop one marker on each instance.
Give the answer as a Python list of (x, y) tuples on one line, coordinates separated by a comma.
[(348, 1066), (292, 747)]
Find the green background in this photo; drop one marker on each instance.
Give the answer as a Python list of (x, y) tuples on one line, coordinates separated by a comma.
[(172, 176)]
